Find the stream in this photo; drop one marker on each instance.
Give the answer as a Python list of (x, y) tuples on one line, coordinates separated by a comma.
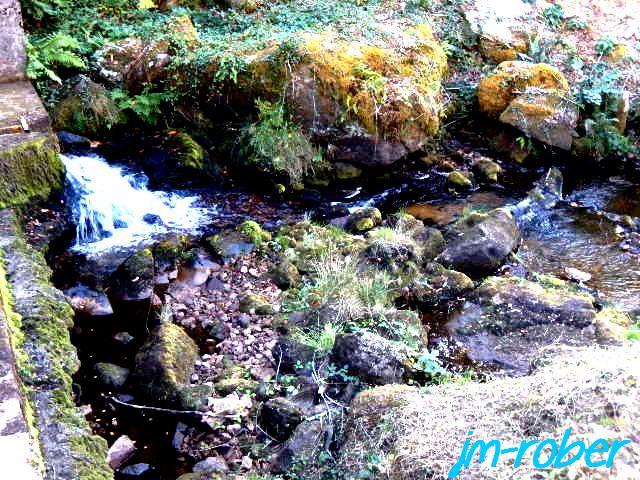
[(115, 213)]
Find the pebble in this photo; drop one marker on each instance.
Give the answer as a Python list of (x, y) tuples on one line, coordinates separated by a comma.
[(121, 451)]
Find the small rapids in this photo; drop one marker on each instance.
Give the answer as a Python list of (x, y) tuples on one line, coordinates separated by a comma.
[(113, 207)]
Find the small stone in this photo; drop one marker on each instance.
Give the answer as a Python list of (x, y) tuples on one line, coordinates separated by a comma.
[(576, 275), (123, 337), (136, 469), (459, 179), (121, 451), (211, 464), (246, 463)]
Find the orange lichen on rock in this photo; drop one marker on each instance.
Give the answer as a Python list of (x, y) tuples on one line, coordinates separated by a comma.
[(393, 93), (497, 90)]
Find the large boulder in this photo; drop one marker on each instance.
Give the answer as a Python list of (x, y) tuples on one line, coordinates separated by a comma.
[(512, 319), (497, 90), (279, 417), (366, 84), (533, 97), (550, 116), (163, 369), (437, 286), (483, 247), (370, 357), (86, 108)]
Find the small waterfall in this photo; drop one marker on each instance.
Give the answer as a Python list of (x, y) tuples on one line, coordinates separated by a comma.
[(114, 208)]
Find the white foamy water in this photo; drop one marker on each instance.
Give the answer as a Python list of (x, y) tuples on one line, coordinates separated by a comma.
[(113, 207)]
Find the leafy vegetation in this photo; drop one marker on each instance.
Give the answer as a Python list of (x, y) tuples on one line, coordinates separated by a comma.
[(276, 144), (50, 52)]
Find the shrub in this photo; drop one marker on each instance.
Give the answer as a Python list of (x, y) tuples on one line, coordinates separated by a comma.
[(47, 53)]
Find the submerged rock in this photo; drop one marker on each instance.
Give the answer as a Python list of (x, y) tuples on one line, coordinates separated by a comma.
[(111, 375), (486, 170), (483, 246), (370, 357), (87, 302)]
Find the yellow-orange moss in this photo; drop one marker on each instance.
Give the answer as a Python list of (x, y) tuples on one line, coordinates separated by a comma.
[(496, 91), (386, 89)]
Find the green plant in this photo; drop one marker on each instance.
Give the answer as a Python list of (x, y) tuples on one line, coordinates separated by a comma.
[(277, 144), (50, 52), (254, 231), (319, 339), (634, 332), (577, 23), (38, 10), (554, 15), (428, 363), (147, 106), (605, 46)]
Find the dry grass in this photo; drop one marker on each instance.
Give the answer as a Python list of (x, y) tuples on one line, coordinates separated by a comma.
[(595, 392)]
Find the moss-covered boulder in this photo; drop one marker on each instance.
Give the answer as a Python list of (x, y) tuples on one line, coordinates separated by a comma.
[(163, 369), (459, 180), (30, 168), (255, 303), (438, 285), (86, 108), (370, 357), (279, 417), (509, 79), (511, 319), (534, 98), (284, 274), (110, 375), (363, 220), (390, 92)]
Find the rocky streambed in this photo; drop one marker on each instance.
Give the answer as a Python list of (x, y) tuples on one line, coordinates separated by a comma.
[(237, 351)]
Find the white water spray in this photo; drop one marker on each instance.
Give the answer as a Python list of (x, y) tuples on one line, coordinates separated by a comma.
[(113, 208)]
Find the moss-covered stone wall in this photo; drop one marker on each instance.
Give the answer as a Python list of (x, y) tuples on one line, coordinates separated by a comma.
[(46, 361), (30, 168)]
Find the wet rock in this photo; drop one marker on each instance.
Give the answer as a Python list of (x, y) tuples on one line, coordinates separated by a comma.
[(123, 338), (71, 140), (152, 219), (87, 302), (307, 441), (139, 471), (200, 476), (346, 171), (111, 375), (370, 357), (121, 451), (230, 244), (458, 179), (483, 247), (284, 274), (363, 220), (163, 369), (550, 116), (212, 465), (279, 417), (512, 319), (437, 286), (133, 280), (486, 170), (254, 303)]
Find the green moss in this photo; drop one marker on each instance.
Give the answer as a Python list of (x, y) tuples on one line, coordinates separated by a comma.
[(254, 232), (40, 320), (30, 170)]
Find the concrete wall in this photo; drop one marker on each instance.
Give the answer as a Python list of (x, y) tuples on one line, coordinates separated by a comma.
[(13, 56)]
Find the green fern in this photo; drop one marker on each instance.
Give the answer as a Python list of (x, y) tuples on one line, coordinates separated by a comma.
[(47, 53)]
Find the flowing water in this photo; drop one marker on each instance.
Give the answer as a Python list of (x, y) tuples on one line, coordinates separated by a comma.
[(113, 207)]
